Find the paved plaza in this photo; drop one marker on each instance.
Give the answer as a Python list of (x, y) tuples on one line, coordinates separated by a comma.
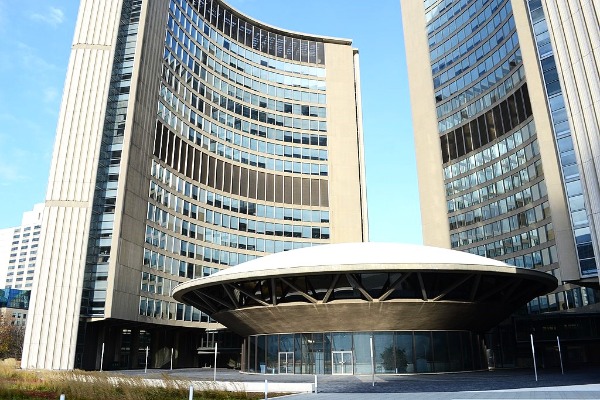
[(489, 385)]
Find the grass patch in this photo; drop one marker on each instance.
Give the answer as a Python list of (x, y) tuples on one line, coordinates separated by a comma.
[(16, 384)]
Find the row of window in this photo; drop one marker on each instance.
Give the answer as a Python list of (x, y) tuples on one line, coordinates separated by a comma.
[(188, 49), (178, 41), (472, 27), (245, 126), (231, 178), (487, 73), (162, 240), (17, 236), (192, 230), (495, 171), (480, 103), (24, 247), (175, 267), (226, 135), (490, 153), (259, 161), (498, 248), (495, 123), (212, 199), (506, 226), (11, 273), (261, 101), (28, 228), (445, 59), (169, 310), (245, 32), (494, 209), (19, 278), (261, 116), (491, 172), (260, 146), (247, 53), (206, 215), (476, 76), (25, 241), (13, 261), (156, 284), (535, 259), (180, 226), (568, 299), (450, 10), (21, 266), (24, 253), (498, 188)]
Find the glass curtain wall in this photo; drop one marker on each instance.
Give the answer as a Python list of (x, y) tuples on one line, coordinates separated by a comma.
[(240, 166), (350, 352)]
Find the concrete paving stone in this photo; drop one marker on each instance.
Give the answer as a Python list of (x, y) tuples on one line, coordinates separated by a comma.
[(483, 385)]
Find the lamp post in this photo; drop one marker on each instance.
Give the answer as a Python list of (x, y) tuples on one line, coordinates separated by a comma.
[(372, 361)]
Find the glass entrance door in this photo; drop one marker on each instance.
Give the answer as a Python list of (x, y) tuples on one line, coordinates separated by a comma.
[(342, 362), (286, 362)]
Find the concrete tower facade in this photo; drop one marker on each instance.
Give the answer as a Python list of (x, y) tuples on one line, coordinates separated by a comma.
[(191, 138), (497, 127)]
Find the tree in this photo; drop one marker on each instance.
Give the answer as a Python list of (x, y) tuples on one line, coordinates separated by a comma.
[(11, 339), (393, 361)]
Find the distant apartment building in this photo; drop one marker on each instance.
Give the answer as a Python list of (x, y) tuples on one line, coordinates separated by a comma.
[(14, 304), (19, 250), (6, 238)]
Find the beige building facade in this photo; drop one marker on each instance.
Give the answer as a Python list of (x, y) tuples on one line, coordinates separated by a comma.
[(501, 173), (191, 138)]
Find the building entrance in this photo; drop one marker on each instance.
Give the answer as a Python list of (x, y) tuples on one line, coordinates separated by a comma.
[(286, 362), (342, 363)]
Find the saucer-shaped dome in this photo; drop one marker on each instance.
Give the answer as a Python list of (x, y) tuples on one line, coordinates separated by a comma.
[(364, 286)]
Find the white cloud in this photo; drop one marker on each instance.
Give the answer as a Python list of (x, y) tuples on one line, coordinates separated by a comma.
[(50, 94), (54, 17), (10, 174), (31, 61)]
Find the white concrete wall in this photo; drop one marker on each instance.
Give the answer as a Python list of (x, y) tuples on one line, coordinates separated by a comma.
[(575, 34), (56, 297)]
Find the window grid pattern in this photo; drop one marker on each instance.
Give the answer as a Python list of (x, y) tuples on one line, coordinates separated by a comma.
[(496, 195), (466, 30), (23, 256), (564, 144), (485, 38), (99, 249), (246, 33), (227, 143), (227, 117)]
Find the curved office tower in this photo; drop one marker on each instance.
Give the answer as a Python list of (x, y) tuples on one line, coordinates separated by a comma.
[(497, 164), (191, 138)]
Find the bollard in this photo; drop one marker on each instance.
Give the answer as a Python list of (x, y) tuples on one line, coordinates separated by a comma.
[(62, 397), (191, 393), (266, 389), (315, 384)]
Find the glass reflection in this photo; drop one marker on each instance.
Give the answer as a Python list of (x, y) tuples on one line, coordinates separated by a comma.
[(393, 352)]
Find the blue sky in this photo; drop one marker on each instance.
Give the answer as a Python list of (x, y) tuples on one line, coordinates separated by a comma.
[(36, 39)]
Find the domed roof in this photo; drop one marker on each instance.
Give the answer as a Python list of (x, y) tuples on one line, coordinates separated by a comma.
[(364, 286), (362, 253)]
